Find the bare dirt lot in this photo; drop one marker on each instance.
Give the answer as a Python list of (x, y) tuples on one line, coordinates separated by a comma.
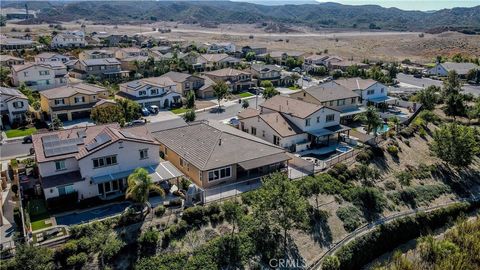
[(351, 44)]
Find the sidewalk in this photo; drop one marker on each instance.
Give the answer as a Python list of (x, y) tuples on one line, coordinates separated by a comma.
[(7, 230)]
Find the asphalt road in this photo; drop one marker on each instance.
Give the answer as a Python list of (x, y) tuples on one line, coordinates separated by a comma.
[(426, 82), (227, 112), (16, 148)]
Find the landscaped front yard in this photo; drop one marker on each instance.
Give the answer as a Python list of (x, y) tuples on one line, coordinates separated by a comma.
[(20, 132), (245, 94), (179, 110)]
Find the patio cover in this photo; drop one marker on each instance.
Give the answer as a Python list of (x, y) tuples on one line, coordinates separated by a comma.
[(353, 111), (385, 99), (263, 161), (338, 128), (160, 172), (320, 132)]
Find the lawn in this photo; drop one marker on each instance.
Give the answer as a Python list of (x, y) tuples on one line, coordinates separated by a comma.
[(38, 213), (41, 224), (245, 94), (20, 132), (179, 110), (294, 87)]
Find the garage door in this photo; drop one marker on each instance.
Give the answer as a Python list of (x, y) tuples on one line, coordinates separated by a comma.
[(62, 116), (80, 115)]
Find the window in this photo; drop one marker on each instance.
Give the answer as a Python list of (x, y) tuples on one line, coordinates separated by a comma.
[(276, 140), (370, 92), (25, 74), (383, 90), (318, 119), (18, 104), (142, 93), (65, 190), (79, 99), (59, 101), (60, 165), (330, 117), (143, 153), (104, 161), (154, 92), (307, 122), (254, 131), (44, 72), (354, 100), (331, 102), (340, 102), (221, 173)]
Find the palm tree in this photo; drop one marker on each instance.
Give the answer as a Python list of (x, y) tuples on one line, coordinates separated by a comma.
[(370, 118), (395, 122), (140, 184)]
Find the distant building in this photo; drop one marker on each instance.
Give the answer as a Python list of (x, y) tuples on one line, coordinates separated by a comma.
[(185, 82), (13, 106), (96, 54), (237, 80), (128, 57), (158, 91), (7, 43), (252, 48), (40, 76), (442, 69), (270, 73), (51, 57), (222, 47), (8, 60), (370, 91), (103, 68), (214, 61), (69, 39)]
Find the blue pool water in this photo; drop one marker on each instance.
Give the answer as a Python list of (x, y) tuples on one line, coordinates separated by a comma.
[(343, 149), (89, 215), (383, 129)]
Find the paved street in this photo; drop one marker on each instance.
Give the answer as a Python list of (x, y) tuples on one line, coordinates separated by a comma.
[(228, 112), (425, 82), (16, 148)]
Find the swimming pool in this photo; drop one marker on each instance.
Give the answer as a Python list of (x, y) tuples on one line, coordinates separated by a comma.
[(383, 129), (89, 215), (343, 148)]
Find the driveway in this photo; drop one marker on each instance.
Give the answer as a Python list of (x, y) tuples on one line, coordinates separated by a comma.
[(14, 148), (163, 115), (78, 123)]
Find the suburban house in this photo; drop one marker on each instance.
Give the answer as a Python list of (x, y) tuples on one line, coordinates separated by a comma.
[(293, 124), (158, 91), (8, 60), (334, 96), (69, 39), (51, 57), (280, 57), (213, 154), (316, 61), (13, 106), (214, 61), (442, 69), (95, 161), (222, 47), (7, 43), (237, 80), (206, 90), (96, 54), (185, 82), (271, 73), (128, 57), (253, 48), (371, 92), (40, 76), (71, 102), (105, 68)]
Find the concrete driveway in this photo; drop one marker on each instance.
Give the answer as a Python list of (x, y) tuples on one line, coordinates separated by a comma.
[(161, 116)]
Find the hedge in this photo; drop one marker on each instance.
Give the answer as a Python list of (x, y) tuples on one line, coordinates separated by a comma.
[(388, 236)]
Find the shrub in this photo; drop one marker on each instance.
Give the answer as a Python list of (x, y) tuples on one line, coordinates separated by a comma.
[(195, 215), (369, 198), (212, 209), (392, 150), (148, 241), (390, 185), (407, 132), (404, 177), (364, 157), (77, 260), (351, 217), (407, 143), (331, 263), (160, 210)]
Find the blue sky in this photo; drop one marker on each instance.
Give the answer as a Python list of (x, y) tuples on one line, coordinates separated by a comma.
[(411, 4)]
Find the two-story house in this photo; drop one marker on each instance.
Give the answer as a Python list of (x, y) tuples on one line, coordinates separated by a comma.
[(13, 106), (158, 91), (8, 60), (8, 43), (370, 91), (71, 102), (333, 96), (270, 73), (46, 57), (293, 124), (128, 57), (104, 68), (221, 47), (69, 39), (214, 61), (442, 69), (185, 82), (96, 54), (253, 48), (237, 80), (40, 76), (280, 57), (96, 161)]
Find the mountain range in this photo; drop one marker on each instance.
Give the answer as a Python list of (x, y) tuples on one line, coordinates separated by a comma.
[(321, 15)]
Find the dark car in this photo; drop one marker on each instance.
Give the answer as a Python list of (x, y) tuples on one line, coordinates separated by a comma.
[(145, 112), (27, 139), (418, 75)]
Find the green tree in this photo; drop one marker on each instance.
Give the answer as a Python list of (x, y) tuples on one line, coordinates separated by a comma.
[(250, 56), (220, 91), (279, 203), (190, 99), (190, 115), (371, 119), (455, 144), (428, 97), (140, 184), (331, 263), (452, 84), (4, 75), (367, 174), (56, 123), (474, 75), (110, 247), (269, 92), (45, 40), (313, 186), (454, 105), (394, 122), (108, 114), (131, 109), (245, 104), (233, 213), (29, 257)]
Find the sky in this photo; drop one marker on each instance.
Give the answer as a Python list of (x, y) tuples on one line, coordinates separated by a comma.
[(423, 5)]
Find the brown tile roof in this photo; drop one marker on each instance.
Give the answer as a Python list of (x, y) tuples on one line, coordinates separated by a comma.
[(178, 76), (226, 72), (49, 65), (70, 90), (90, 135), (5, 57), (294, 107), (207, 145), (356, 83), (247, 113), (281, 124), (214, 57), (330, 91)]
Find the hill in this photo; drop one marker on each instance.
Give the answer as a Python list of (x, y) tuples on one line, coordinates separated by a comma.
[(322, 15)]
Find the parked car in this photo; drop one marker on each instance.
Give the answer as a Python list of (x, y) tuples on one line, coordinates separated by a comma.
[(145, 112), (306, 78), (137, 122), (297, 69), (27, 139), (234, 122), (418, 75), (153, 109)]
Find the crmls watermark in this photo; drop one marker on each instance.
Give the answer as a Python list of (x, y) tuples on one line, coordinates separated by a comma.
[(286, 264)]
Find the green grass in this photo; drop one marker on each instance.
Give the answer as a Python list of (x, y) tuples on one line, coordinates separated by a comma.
[(294, 87), (179, 110), (245, 94), (40, 224), (12, 133)]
